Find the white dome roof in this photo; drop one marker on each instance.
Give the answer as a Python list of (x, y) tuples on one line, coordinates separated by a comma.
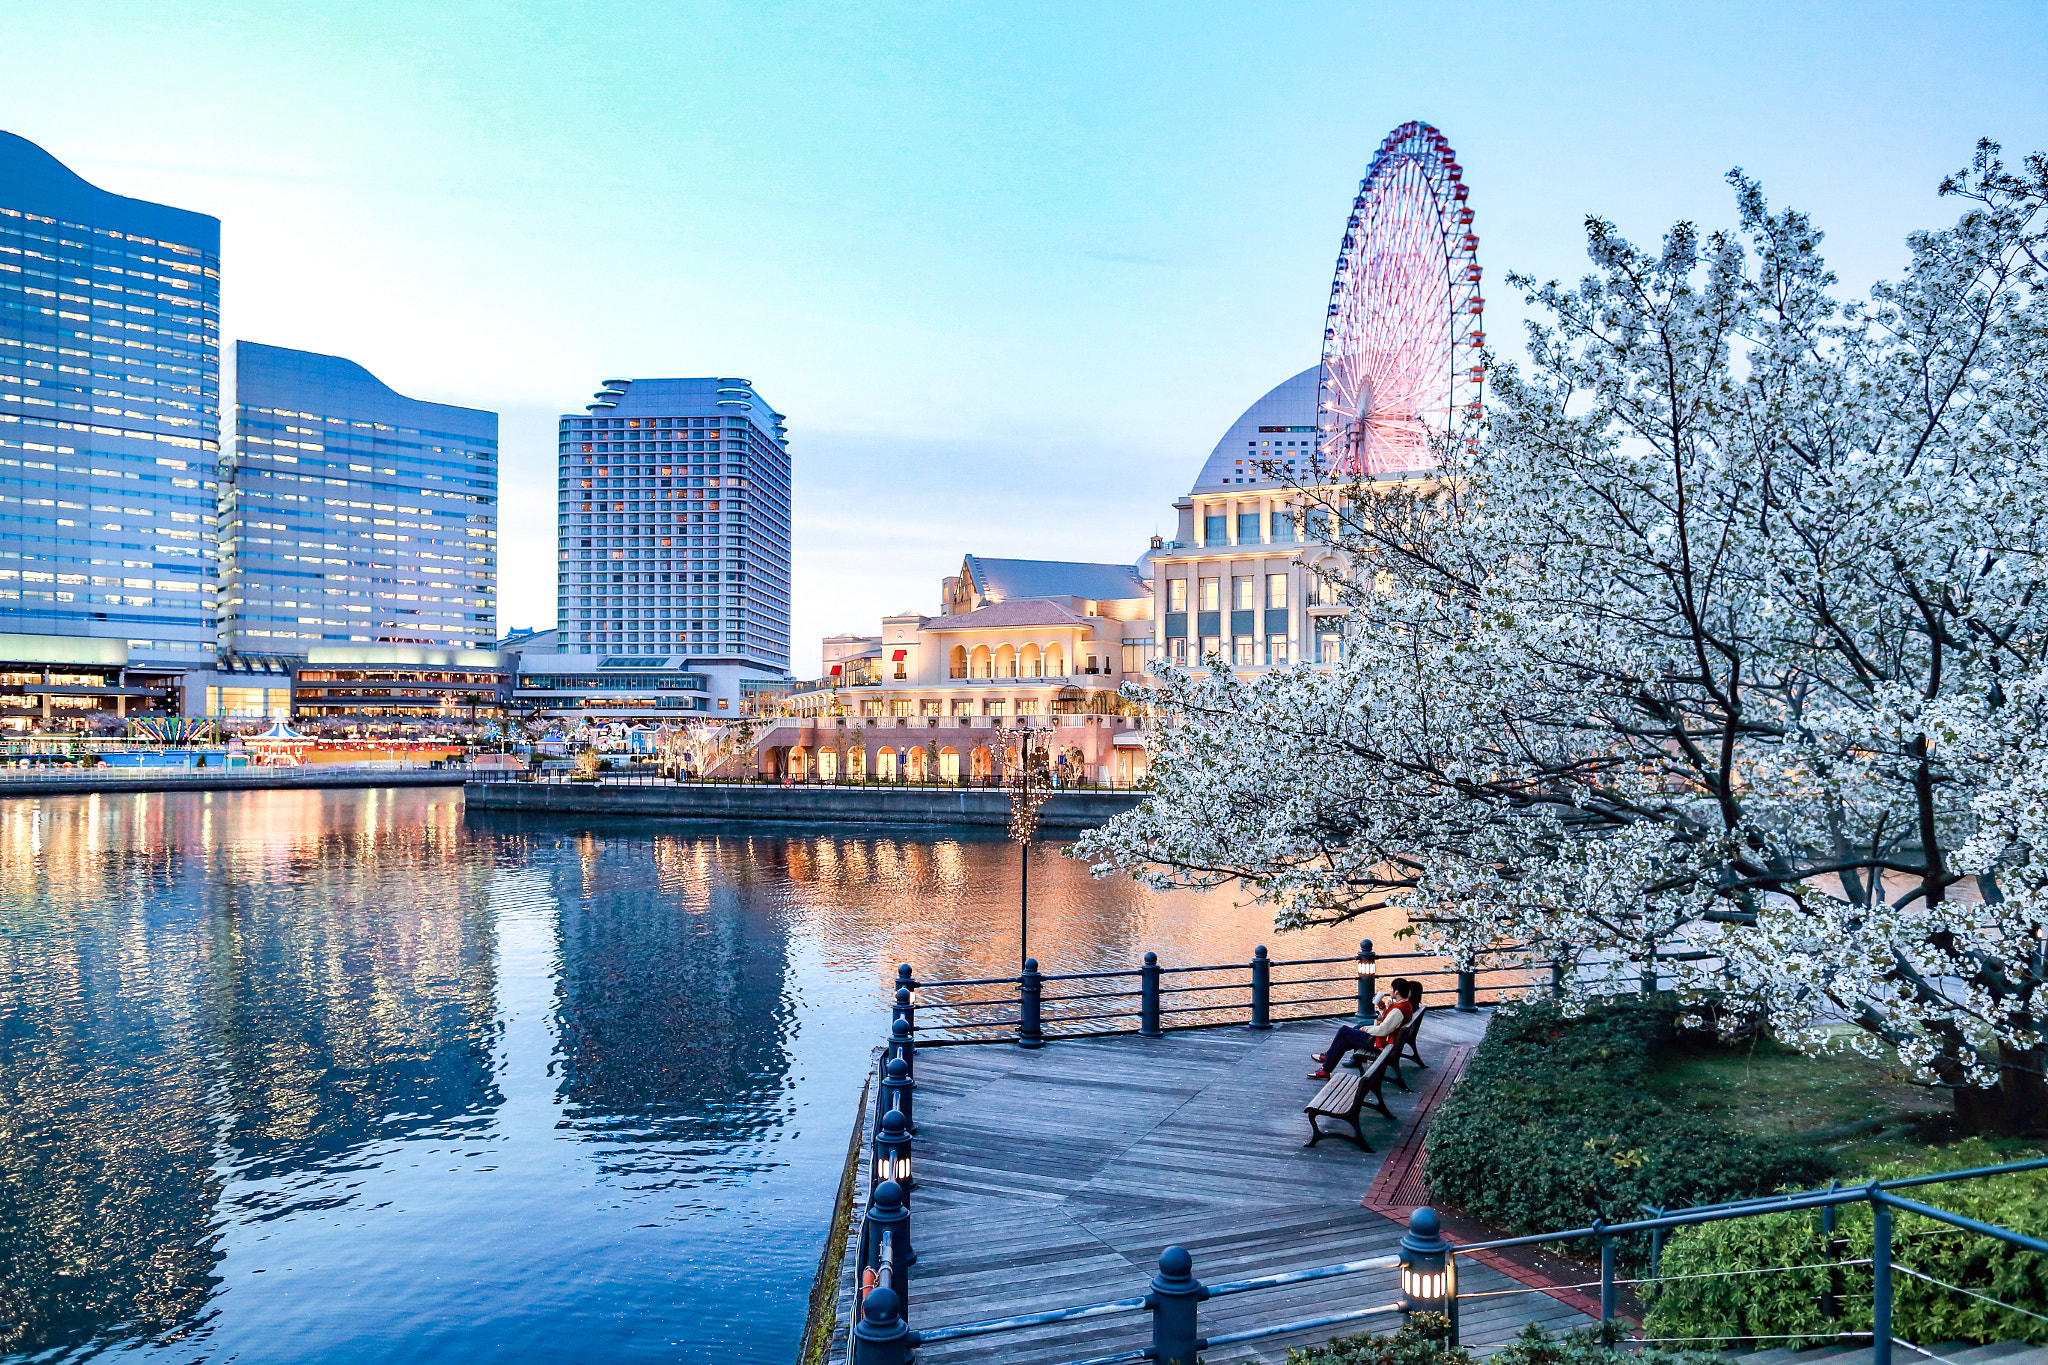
[(1280, 427)]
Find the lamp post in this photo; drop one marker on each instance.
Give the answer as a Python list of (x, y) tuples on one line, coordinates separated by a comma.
[(892, 1151), (1426, 1274), (1027, 794)]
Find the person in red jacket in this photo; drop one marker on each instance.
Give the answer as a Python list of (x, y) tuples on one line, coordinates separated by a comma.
[(1382, 1032)]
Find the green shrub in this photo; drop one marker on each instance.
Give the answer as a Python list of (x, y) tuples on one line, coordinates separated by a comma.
[(1555, 1123), (1740, 1306), (1420, 1342)]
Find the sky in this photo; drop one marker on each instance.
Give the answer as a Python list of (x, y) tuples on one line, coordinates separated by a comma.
[(1009, 269)]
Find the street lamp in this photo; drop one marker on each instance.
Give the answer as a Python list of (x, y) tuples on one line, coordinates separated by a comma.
[(1426, 1276)]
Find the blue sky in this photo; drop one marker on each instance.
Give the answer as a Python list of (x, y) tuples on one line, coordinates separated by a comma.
[(1010, 269)]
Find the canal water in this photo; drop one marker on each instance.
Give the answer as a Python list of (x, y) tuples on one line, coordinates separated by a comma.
[(325, 1076)]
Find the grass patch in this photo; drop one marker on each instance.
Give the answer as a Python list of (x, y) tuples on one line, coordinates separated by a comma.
[(1860, 1111)]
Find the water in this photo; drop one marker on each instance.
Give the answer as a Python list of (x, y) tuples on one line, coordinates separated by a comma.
[(347, 1076)]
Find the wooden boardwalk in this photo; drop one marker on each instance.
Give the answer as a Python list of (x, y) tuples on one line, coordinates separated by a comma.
[(1054, 1178)]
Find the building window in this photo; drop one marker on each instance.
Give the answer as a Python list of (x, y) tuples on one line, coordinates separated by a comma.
[(1329, 649), (1248, 528), (1215, 530), (1283, 526), (1211, 644), (956, 662), (1212, 594), (995, 708), (1176, 594), (1276, 591), (931, 708), (1245, 653), (1177, 652), (1276, 650), (1243, 593)]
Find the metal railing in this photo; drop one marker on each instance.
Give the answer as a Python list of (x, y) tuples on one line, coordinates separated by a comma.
[(656, 778), (1152, 999), (1427, 1262)]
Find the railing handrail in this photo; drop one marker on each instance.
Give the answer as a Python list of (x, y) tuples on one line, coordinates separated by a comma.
[(1874, 1192)]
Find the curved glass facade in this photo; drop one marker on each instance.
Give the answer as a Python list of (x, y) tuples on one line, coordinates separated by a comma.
[(109, 412)]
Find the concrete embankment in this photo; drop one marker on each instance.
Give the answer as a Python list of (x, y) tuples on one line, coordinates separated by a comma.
[(80, 781), (909, 806)]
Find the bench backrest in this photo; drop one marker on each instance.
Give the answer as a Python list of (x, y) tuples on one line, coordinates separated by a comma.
[(1382, 1058), (1414, 1028)]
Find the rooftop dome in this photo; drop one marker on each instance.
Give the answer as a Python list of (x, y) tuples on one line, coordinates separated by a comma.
[(1281, 427)]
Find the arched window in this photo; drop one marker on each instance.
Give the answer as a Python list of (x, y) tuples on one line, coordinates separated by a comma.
[(983, 762), (956, 662), (1030, 663), (1006, 662), (885, 763), (1055, 663), (920, 765), (978, 666), (949, 764)]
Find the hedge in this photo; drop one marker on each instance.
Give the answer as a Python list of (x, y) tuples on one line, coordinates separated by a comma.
[(1735, 1307), (1420, 1342), (1554, 1123)]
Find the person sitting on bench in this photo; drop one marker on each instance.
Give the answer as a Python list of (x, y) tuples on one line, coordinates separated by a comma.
[(1382, 1032)]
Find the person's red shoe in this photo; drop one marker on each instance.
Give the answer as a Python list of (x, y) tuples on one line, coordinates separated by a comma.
[(1319, 1075)]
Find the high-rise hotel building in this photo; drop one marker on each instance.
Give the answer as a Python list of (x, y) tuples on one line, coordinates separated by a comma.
[(109, 414), (352, 516), (674, 523)]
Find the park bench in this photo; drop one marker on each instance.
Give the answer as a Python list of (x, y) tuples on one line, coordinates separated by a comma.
[(1346, 1093)]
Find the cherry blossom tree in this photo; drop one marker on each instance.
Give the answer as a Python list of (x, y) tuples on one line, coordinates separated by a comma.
[(1729, 636)]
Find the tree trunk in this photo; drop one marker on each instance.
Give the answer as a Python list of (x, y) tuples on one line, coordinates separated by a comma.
[(2015, 1107)]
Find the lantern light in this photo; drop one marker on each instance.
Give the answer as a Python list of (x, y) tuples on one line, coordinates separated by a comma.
[(1425, 1257), (892, 1150)]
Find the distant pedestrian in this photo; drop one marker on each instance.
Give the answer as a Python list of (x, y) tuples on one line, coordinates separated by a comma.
[(1385, 1031)]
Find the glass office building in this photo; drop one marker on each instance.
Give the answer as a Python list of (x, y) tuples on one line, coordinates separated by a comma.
[(109, 413), (353, 515), (674, 526)]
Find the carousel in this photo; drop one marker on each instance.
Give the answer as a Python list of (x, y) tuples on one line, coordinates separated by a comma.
[(278, 747)]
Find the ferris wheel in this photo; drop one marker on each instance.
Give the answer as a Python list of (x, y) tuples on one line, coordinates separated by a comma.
[(1401, 368)]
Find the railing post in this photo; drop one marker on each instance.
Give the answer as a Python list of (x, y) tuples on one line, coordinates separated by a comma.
[(1835, 1247), (1556, 977), (1368, 981), (904, 1008), (1467, 1003), (1649, 974), (881, 1337), (1606, 1271), (1262, 989), (1175, 1292), (1451, 1295), (890, 1215), (1656, 1241), (1030, 992), (1148, 998), (892, 1151), (902, 1044), (1881, 1275), (897, 1091)]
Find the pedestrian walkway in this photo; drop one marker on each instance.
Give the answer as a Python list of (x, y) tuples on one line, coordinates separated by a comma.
[(1053, 1178)]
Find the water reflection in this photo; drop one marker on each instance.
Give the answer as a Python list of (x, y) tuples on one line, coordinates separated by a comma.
[(326, 1075)]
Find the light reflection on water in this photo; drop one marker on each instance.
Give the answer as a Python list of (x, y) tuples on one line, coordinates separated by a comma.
[(317, 1076)]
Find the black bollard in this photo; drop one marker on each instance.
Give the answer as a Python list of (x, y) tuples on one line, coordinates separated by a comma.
[(1467, 1003), (902, 1044), (1148, 998), (897, 1089), (1262, 989), (890, 1216), (881, 1337), (1030, 990), (1175, 1292)]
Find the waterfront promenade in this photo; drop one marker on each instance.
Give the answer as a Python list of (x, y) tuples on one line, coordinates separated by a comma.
[(1054, 1178), (915, 807), (87, 781)]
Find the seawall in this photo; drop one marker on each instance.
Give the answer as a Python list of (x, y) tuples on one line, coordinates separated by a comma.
[(909, 806), (76, 782)]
